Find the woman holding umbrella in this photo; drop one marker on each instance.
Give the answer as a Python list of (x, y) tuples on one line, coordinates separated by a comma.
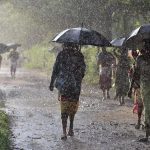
[(68, 72)]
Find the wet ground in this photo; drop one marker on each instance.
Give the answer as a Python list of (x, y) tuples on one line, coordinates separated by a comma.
[(36, 124)]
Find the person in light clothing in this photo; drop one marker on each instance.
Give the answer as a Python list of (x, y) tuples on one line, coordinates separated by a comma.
[(13, 56)]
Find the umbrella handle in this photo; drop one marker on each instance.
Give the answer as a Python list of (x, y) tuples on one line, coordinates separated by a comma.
[(80, 44), (80, 47)]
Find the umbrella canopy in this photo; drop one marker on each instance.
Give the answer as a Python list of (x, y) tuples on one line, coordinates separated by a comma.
[(6, 48), (118, 42), (3, 48), (136, 37), (13, 45), (81, 36)]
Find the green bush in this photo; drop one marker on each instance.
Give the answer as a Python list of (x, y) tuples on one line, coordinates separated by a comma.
[(92, 75), (4, 132), (38, 57)]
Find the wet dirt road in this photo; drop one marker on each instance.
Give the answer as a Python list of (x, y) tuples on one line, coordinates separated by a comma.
[(36, 123)]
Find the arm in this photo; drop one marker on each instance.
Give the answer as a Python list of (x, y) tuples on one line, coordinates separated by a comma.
[(136, 78), (17, 56), (55, 72), (9, 56), (80, 68), (98, 62), (116, 54), (83, 68)]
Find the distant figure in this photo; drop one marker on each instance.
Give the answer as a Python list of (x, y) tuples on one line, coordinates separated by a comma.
[(0, 61), (105, 62), (68, 72), (13, 56), (122, 78)]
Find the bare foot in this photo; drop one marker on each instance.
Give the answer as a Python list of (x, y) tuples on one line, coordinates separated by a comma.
[(64, 137), (137, 126), (104, 98), (71, 133), (143, 139), (108, 97)]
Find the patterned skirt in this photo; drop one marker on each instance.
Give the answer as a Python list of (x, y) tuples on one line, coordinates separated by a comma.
[(105, 80), (68, 107)]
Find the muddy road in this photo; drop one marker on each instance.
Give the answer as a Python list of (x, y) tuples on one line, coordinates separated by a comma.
[(36, 123)]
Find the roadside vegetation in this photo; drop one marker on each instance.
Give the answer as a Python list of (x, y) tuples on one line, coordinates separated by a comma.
[(38, 57), (4, 131)]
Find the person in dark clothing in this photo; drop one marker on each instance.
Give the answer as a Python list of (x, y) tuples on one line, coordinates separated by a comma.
[(122, 79), (67, 75)]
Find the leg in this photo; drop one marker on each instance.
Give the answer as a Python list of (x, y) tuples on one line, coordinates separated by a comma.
[(11, 71), (140, 110), (147, 124), (108, 96), (122, 100), (64, 117), (71, 117), (116, 96), (14, 72), (104, 95), (146, 135)]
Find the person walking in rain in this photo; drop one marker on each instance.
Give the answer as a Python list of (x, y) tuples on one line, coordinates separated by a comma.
[(105, 62), (67, 75), (142, 74), (13, 56), (135, 87), (122, 78)]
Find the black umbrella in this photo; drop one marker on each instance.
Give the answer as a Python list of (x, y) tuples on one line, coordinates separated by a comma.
[(137, 36), (3, 48), (81, 36), (118, 42), (13, 45)]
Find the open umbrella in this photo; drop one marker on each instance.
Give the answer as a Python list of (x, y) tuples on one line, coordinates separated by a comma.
[(13, 45), (81, 36), (136, 37), (118, 42), (3, 48)]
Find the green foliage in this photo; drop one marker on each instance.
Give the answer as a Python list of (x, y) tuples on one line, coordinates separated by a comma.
[(38, 57), (4, 131), (19, 27), (30, 23), (90, 55)]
